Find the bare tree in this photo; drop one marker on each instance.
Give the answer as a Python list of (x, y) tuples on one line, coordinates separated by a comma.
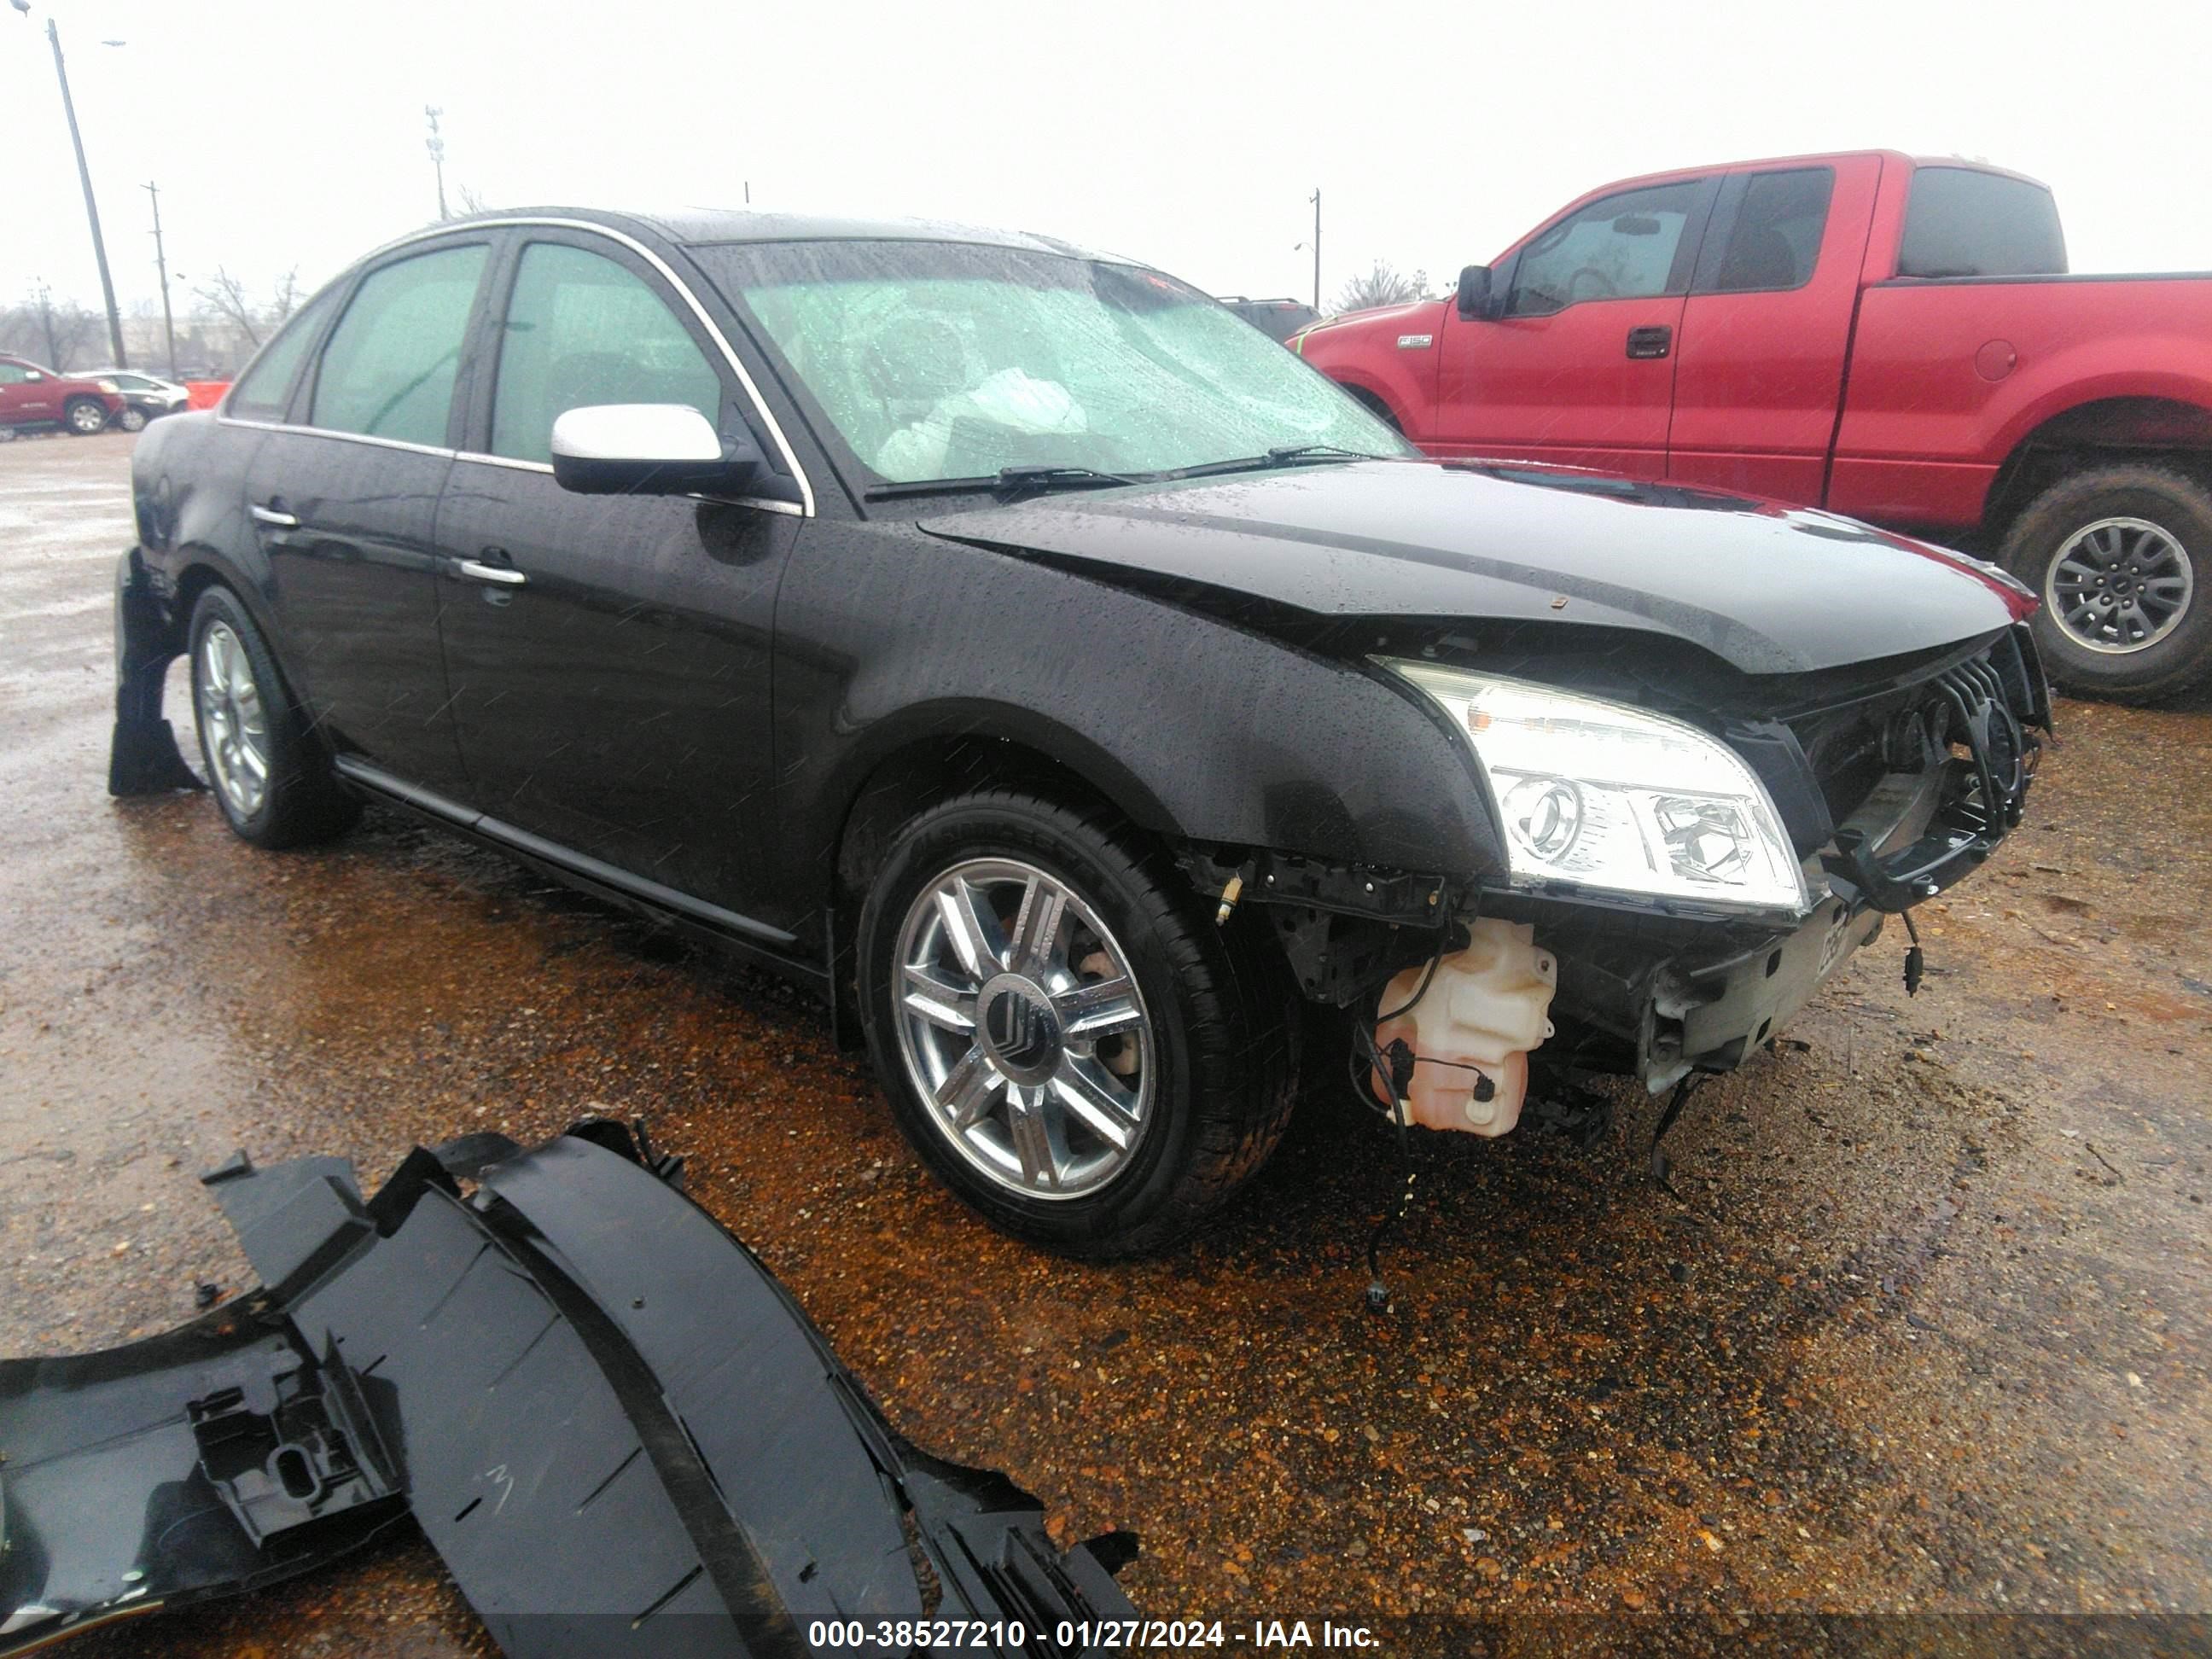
[(49, 331), (284, 299), (1384, 284), (471, 199), (226, 296)]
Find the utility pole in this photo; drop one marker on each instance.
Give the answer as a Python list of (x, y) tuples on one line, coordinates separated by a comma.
[(161, 265), (46, 318), (1316, 204), (91, 208), (436, 146)]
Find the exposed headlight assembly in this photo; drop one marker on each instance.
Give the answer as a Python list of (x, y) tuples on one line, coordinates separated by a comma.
[(108, 386), (1616, 800)]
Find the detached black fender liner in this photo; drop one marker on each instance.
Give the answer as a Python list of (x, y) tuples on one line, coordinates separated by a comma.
[(143, 757), (619, 1431)]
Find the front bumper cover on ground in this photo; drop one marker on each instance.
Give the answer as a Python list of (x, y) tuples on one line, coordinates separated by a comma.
[(619, 1431)]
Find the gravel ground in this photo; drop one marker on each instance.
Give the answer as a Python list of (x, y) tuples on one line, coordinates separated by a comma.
[(1930, 1334)]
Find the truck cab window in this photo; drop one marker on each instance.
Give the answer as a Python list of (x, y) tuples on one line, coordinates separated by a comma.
[(1620, 248), (1776, 239), (1962, 221)]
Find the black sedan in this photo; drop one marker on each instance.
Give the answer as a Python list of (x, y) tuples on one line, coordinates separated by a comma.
[(1072, 686)]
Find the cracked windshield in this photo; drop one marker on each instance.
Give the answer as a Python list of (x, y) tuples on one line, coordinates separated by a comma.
[(943, 360)]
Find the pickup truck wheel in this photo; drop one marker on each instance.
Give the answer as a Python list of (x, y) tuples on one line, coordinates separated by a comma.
[(1071, 1046), (272, 779), (2117, 555), (84, 416)]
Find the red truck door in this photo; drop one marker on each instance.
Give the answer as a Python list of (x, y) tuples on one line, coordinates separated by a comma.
[(1758, 375), (1578, 367), (26, 395)]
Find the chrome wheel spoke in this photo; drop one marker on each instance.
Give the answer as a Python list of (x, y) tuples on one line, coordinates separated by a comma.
[(1030, 1130), (1099, 1008), (971, 928), (967, 1090), (215, 661), (1035, 946), (1096, 1104), (938, 998)]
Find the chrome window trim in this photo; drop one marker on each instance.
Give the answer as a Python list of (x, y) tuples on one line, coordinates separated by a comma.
[(342, 437), (764, 503), (511, 462), (668, 273)]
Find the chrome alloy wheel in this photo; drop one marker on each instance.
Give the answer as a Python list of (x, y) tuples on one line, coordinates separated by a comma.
[(1021, 1028), (86, 418), (2120, 584), (234, 723)]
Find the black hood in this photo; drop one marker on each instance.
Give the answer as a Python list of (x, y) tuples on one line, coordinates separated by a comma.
[(1768, 589)]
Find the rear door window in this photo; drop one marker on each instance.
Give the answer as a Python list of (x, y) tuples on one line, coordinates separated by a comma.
[(582, 329), (1774, 241), (264, 391), (1962, 221), (389, 369), (1622, 248)]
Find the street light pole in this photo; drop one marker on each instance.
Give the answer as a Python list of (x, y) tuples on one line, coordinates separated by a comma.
[(161, 265), (1316, 204), (436, 146), (91, 207)]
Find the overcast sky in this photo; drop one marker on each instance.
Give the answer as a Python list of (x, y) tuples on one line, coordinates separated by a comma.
[(1190, 135)]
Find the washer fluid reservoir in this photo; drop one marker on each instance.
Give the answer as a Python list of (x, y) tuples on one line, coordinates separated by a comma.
[(1484, 1009)]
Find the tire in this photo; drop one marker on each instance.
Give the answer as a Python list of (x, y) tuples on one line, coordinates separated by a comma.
[(84, 416), (2142, 534), (132, 419), (240, 704), (1207, 1069)]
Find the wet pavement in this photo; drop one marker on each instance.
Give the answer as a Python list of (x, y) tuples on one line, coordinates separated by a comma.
[(1930, 1332)]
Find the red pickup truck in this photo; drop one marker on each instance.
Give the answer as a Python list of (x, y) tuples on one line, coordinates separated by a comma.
[(32, 396), (1893, 339)]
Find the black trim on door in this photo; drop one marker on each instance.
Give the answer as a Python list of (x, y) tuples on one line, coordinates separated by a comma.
[(772, 942)]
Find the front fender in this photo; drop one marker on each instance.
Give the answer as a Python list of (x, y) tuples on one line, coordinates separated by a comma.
[(1200, 729)]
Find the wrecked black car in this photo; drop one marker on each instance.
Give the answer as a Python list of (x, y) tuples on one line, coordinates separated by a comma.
[(1074, 688), (616, 1427)]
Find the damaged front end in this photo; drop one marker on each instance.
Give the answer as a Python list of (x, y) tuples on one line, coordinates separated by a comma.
[(1675, 892), (618, 1431)]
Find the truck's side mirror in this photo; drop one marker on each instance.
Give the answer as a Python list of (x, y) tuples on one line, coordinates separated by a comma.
[(1474, 293)]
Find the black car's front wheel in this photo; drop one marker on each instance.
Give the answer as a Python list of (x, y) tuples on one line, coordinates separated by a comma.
[(132, 419), (1071, 1046), (270, 776)]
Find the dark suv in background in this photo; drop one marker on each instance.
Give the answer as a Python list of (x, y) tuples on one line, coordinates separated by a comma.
[(1278, 320)]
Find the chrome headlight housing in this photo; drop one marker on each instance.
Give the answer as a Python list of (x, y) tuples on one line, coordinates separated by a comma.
[(108, 386), (1614, 798)]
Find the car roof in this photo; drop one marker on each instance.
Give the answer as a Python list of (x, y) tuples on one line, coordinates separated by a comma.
[(701, 226)]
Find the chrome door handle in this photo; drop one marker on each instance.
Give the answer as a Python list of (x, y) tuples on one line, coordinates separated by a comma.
[(270, 516), (505, 575)]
